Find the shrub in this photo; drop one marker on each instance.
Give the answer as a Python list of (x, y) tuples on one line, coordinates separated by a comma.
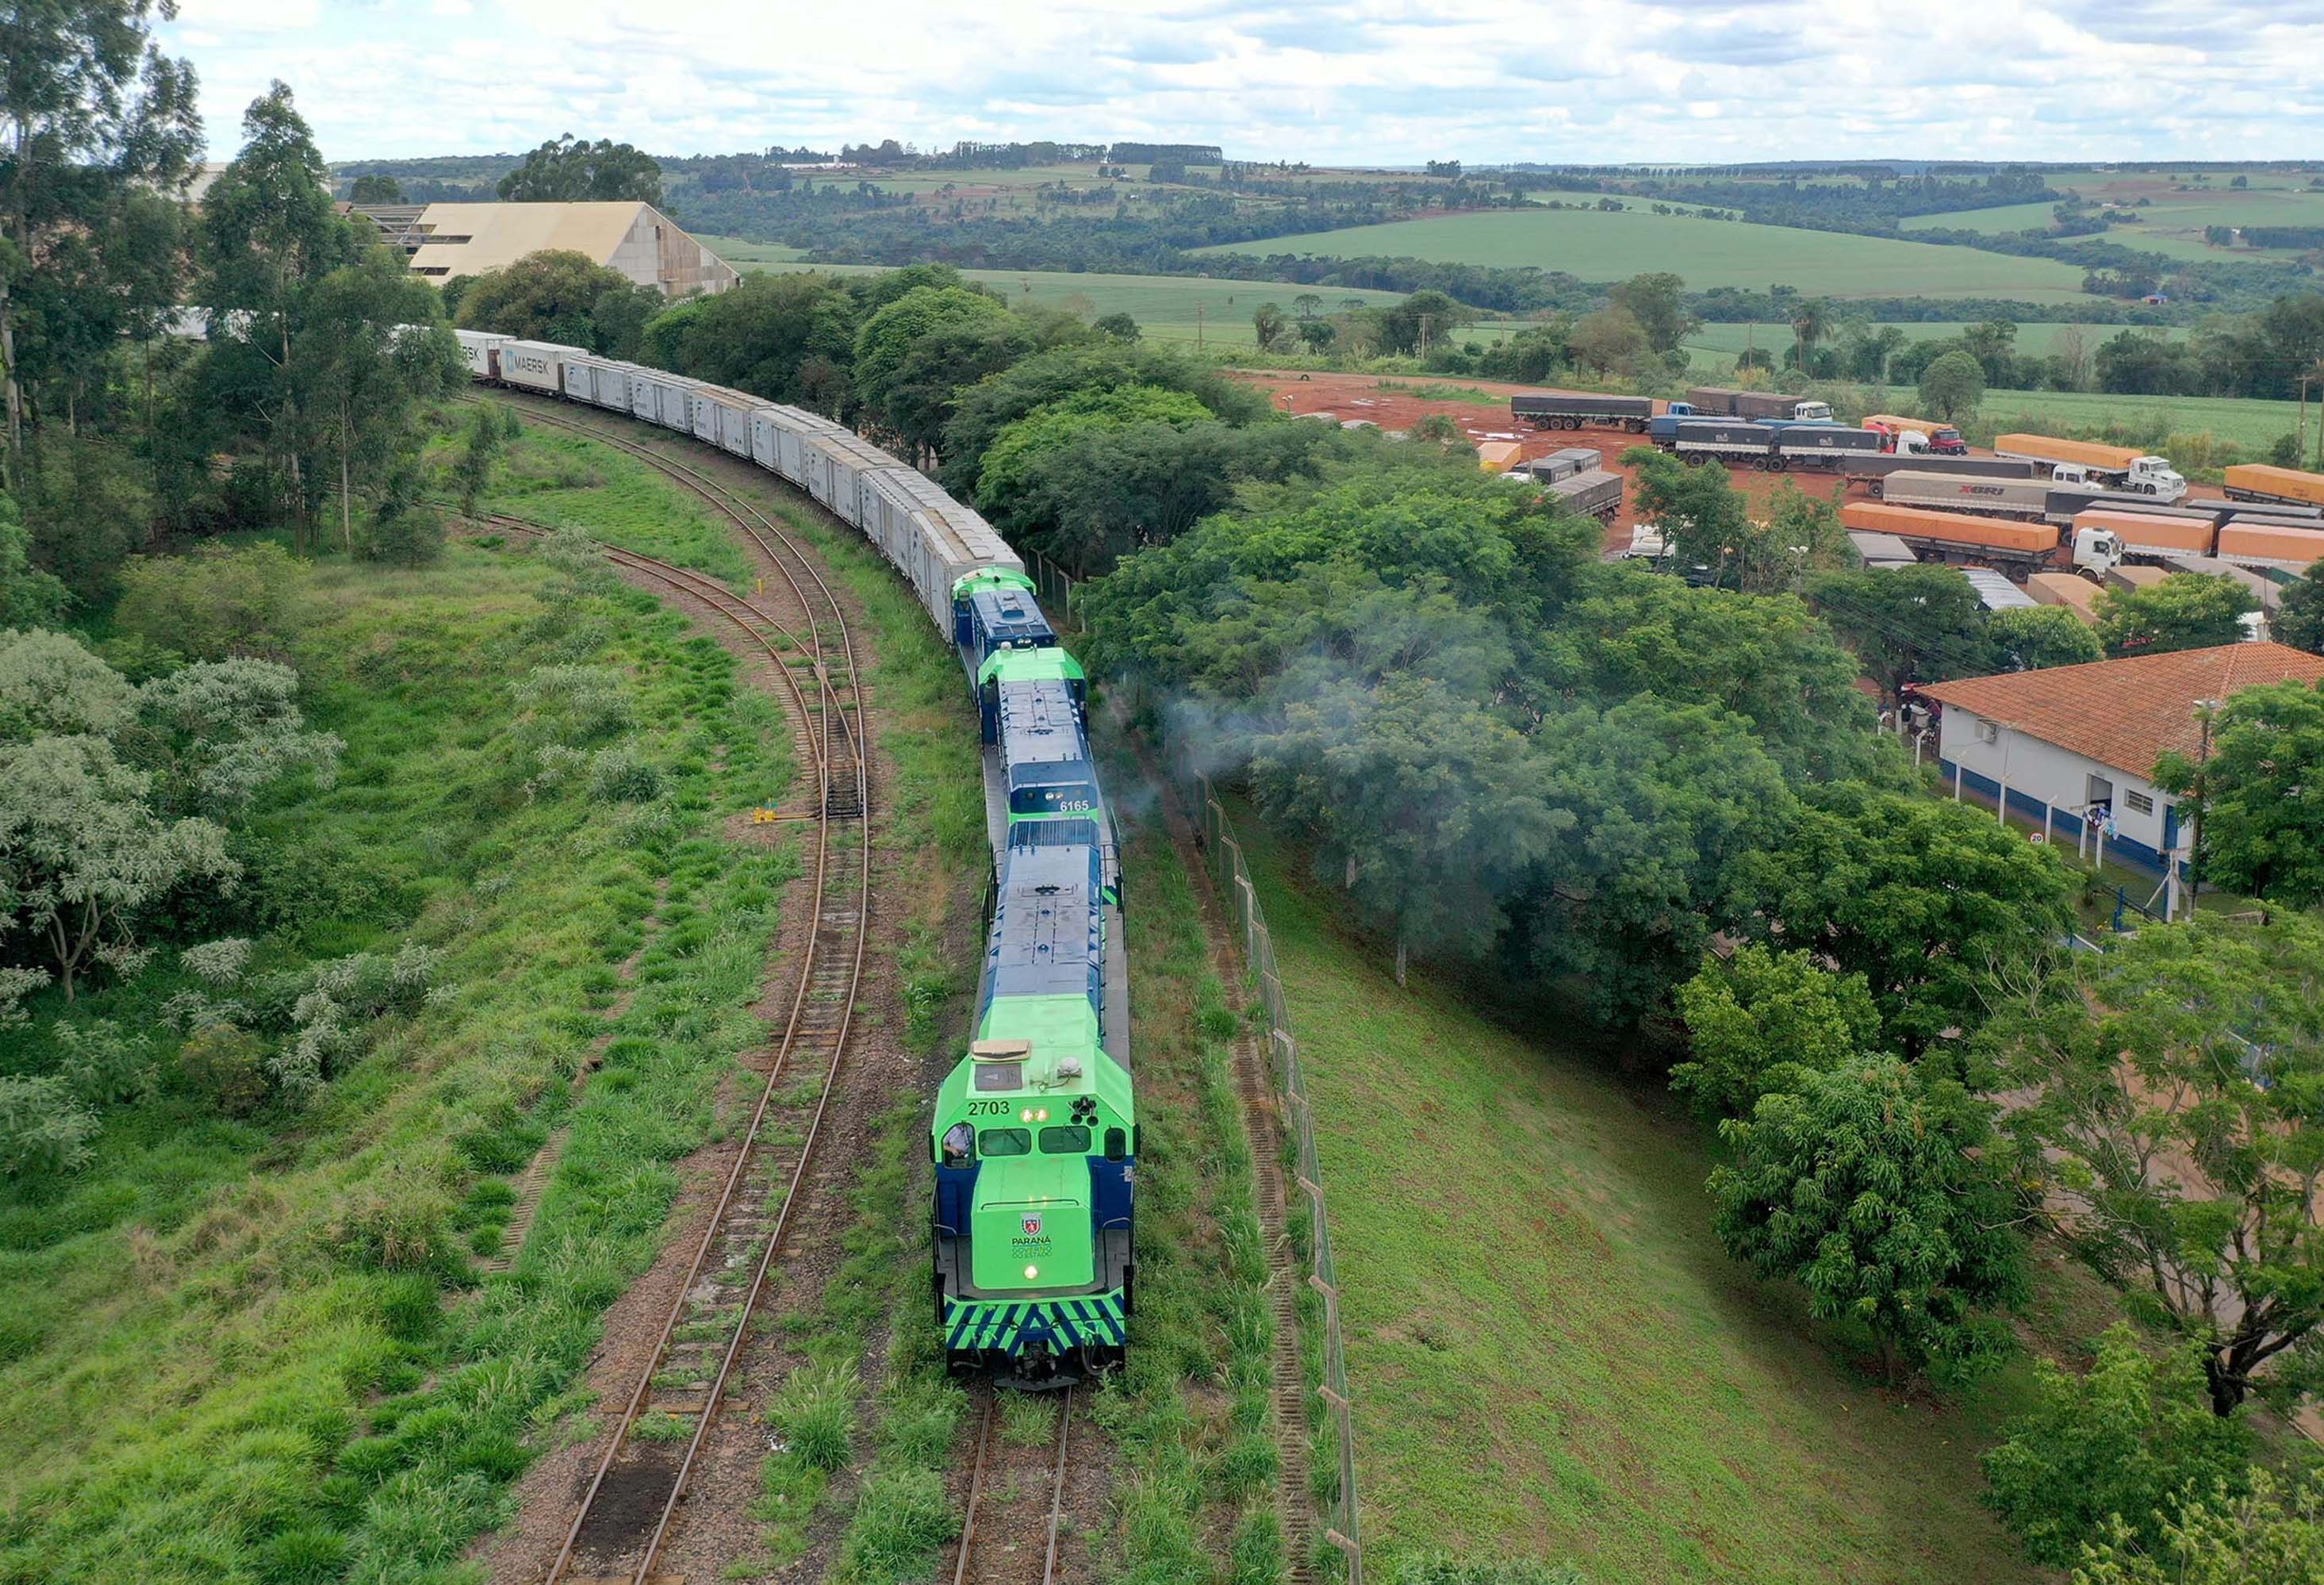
[(216, 603), (398, 1221), (620, 774), (227, 1065), (816, 1415), (43, 1129), (410, 535), (101, 1064)]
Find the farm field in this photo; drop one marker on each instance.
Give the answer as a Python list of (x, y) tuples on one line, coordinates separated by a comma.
[(1164, 305), (1708, 253), (2253, 425), (2171, 221), (1554, 1358)]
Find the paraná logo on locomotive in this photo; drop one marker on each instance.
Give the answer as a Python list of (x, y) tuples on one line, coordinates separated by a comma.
[(1032, 1227)]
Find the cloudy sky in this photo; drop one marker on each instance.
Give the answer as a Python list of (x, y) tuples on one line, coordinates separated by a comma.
[(1387, 82)]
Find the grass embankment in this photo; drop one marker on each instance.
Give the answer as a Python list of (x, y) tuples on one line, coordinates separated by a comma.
[(231, 1359), (1548, 1352)]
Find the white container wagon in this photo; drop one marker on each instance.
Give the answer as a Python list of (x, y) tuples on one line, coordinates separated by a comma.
[(535, 366), (722, 418), (931, 539), (479, 347), (662, 399), (836, 465), (779, 437), (599, 381)]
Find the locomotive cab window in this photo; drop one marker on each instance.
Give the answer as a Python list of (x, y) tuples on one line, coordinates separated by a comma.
[(1005, 1142), (999, 1075), (1071, 797), (1068, 1139), (1117, 1144)]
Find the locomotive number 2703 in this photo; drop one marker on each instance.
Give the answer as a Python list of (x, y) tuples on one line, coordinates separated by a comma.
[(990, 1108)]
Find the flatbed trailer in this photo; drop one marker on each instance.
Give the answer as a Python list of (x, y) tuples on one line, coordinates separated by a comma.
[(1559, 409)]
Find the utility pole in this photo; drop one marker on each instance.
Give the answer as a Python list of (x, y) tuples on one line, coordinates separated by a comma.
[(1198, 324)]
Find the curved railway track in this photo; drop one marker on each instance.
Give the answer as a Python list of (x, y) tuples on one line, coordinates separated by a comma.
[(997, 1546), (625, 1514)]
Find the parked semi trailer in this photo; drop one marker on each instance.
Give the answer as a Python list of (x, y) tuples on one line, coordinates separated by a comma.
[(1578, 477), (2086, 462), (1873, 468), (2267, 546), (1918, 436), (1950, 492), (1559, 409), (2016, 547), (1721, 400), (2248, 481)]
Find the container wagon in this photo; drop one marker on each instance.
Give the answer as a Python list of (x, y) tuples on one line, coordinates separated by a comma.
[(1558, 410), (2261, 481), (2016, 547), (479, 348), (533, 365)]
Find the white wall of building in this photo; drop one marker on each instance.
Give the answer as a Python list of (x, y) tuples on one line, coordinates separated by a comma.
[(2051, 775)]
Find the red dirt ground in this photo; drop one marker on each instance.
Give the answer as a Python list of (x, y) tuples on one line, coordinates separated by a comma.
[(1358, 397)]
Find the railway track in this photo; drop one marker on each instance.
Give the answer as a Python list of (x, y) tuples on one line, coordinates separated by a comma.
[(1004, 1537), (635, 1493)]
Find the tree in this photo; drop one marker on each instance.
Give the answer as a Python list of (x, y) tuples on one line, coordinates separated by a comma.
[(1810, 322), (1318, 333), (1860, 1185), (269, 232), (215, 603), (83, 856), (368, 354), (548, 296), (1705, 520), (567, 170), (887, 336), (1922, 897), (51, 686), (2124, 1441), (1657, 300), (1004, 487), (98, 118), (1907, 624), (1268, 323), (1308, 305), (2272, 1534), (1608, 340), (1758, 1020), (2186, 610), (2260, 830), (375, 190), (2299, 619), (937, 366), (28, 597), (1868, 355), (1116, 326), (473, 470), (618, 315), (215, 734), (1952, 387), (2036, 638), (2173, 1142), (786, 337)]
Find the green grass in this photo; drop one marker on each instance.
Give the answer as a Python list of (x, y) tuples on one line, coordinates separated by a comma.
[(555, 476), (1163, 305), (2251, 424), (216, 1380), (2171, 222), (1708, 253), (1549, 1354)]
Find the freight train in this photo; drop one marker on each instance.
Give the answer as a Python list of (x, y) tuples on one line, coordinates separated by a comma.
[(1034, 1141)]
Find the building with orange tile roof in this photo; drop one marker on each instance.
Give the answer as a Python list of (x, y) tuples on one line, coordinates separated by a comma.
[(2079, 743)]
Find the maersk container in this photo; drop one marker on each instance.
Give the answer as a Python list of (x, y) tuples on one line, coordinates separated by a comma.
[(477, 346), (535, 366)]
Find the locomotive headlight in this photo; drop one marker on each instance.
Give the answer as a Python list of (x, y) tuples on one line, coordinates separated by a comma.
[(1032, 1272)]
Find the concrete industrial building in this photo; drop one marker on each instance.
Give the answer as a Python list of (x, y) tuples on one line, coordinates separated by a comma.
[(641, 242), (2077, 745)]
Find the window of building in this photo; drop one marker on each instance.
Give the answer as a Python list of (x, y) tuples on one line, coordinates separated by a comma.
[(2140, 803), (432, 270)]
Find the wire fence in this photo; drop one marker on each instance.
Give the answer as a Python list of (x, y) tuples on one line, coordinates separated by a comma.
[(1058, 589), (1224, 851)]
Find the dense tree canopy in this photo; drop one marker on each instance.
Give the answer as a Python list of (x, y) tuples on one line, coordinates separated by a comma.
[(2186, 610), (2257, 795), (556, 295), (569, 170)]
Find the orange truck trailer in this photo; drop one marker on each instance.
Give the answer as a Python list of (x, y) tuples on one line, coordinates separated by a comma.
[(2016, 547), (2086, 462), (2246, 544), (2249, 481)]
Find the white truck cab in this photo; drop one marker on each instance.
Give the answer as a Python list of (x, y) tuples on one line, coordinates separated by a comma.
[(2152, 475), (1812, 412), (2096, 551)]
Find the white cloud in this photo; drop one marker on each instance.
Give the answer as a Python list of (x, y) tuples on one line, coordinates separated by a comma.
[(1377, 80)]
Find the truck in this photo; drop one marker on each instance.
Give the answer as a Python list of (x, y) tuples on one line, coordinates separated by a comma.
[(2260, 546), (1560, 410), (1721, 400), (2086, 462), (2014, 548), (1561, 465), (2260, 482), (1948, 491), (1704, 440), (1591, 493), (1873, 467), (1918, 436), (1828, 447)]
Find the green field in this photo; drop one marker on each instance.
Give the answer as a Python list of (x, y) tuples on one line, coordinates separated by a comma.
[(2008, 217), (1549, 1354), (2172, 214), (1165, 306), (1708, 253), (2252, 425)]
